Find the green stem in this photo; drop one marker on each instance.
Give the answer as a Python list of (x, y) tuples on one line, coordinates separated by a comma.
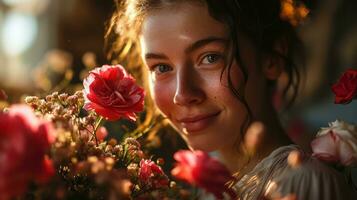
[(99, 120), (136, 134)]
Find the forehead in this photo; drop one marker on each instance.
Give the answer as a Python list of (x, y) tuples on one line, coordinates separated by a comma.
[(184, 21)]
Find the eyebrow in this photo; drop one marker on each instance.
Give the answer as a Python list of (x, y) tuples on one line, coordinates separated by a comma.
[(196, 45), (200, 43)]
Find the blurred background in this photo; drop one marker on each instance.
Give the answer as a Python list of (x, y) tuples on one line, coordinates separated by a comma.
[(46, 44)]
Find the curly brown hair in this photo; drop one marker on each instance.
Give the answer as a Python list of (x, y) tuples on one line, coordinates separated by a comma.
[(258, 20)]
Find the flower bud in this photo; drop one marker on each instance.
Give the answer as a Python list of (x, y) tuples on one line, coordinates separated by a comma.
[(132, 141), (49, 105), (72, 100), (55, 95), (63, 96), (132, 169), (79, 94), (31, 99), (90, 119), (49, 98), (173, 184), (57, 110), (112, 142), (160, 161), (67, 116)]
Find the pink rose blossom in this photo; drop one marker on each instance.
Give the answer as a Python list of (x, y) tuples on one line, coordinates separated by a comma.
[(24, 140), (198, 168), (337, 143), (112, 93)]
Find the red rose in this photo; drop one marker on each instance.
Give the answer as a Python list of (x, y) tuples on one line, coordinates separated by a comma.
[(150, 173), (346, 88), (24, 140), (198, 168), (112, 93)]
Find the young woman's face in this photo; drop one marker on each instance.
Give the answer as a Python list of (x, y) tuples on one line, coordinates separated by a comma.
[(184, 49)]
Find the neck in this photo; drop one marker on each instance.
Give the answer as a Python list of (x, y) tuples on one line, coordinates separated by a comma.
[(241, 161)]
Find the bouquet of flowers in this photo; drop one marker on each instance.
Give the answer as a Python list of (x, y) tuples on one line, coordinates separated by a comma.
[(337, 144), (56, 148)]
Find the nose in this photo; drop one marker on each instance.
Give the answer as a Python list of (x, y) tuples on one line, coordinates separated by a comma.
[(189, 89)]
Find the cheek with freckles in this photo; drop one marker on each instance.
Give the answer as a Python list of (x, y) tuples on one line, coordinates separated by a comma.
[(236, 78), (163, 97)]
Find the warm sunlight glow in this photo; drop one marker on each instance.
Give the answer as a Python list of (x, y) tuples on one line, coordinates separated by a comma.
[(18, 33)]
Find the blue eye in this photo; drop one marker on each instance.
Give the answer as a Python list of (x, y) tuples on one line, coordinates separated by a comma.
[(211, 58), (161, 68)]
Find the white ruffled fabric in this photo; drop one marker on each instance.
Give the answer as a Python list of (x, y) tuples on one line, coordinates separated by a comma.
[(311, 180)]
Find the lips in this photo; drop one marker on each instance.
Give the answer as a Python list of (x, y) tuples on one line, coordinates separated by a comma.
[(198, 122)]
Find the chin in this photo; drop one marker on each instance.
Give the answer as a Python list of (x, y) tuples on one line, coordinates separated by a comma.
[(207, 141), (201, 145)]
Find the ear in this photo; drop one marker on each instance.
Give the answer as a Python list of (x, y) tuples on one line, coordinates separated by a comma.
[(274, 61), (273, 67)]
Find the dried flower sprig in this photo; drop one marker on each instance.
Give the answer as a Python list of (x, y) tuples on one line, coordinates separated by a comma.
[(86, 166)]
